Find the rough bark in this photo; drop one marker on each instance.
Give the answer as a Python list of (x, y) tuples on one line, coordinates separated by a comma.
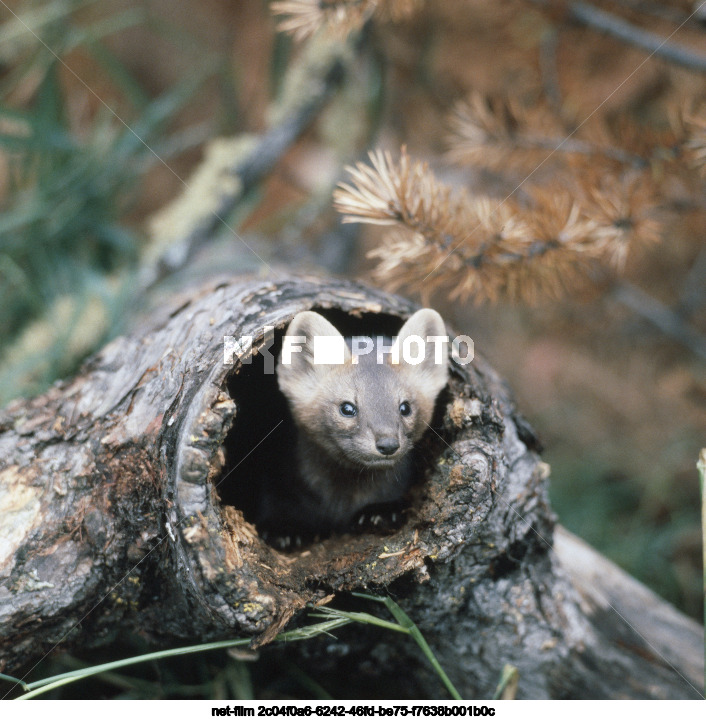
[(122, 494)]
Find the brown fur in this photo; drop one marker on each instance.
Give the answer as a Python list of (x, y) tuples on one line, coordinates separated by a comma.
[(341, 468)]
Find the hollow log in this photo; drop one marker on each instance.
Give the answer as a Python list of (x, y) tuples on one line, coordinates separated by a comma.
[(125, 496)]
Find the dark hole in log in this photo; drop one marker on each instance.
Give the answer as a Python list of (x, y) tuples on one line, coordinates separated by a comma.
[(261, 445), (261, 442), (511, 560)]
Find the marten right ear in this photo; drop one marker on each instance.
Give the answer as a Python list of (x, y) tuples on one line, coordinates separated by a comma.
[(311, 347), (430, 376)]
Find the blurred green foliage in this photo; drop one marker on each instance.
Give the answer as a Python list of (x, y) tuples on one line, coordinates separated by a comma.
[(67, 249), (641, 526)]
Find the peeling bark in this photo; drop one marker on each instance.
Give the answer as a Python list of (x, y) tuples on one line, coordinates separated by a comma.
[(123, 493)]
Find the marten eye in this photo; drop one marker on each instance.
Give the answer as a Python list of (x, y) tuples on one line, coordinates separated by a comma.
[(405, 408), (348, 409)]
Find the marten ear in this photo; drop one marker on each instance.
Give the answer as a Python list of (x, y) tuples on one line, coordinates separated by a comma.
[(431, 365), (311, 347)]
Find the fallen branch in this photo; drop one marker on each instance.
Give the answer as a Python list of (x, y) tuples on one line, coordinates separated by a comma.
[(125, 491)]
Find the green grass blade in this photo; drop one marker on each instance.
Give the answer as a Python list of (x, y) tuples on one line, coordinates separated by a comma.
[(507, 685), (20, 29), (334, 618), (701, 466), (96, 31), (406, 624), (301, 634), (43, 685), (239, 681), (308, 683), (12, 679), (120, 74), (36, 688), (359, 617)]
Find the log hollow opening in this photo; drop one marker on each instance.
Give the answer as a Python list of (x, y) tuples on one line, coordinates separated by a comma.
[(232, 577), (262, 439)]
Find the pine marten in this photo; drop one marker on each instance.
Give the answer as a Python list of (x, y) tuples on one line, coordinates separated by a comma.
[(356, 422)]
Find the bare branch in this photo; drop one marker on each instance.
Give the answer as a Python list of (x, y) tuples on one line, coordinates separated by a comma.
[(187, 225), (637, 37), (550, 72), (661, 316)]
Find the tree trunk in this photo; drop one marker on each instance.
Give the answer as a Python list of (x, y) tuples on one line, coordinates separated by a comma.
[(123, 494)]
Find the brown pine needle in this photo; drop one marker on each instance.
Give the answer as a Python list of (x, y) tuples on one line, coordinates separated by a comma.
[(303, 18), (696, 142), (476, 247), (501, 134), (494, 133), (622, 208)]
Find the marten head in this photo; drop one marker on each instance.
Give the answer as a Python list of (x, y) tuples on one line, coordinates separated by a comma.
[(368, 408)]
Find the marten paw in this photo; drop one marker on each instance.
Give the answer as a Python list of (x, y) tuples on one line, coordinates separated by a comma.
[(381, 518)]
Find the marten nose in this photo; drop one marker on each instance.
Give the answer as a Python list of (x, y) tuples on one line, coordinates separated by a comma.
[(387, 446)]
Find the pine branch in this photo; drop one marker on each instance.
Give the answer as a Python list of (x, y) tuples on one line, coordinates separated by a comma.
[(476, 247), (500, 134), (695, 144), (303, 18)]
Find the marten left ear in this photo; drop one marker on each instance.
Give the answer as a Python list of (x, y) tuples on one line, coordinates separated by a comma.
[(299, 369), (422, 346)]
